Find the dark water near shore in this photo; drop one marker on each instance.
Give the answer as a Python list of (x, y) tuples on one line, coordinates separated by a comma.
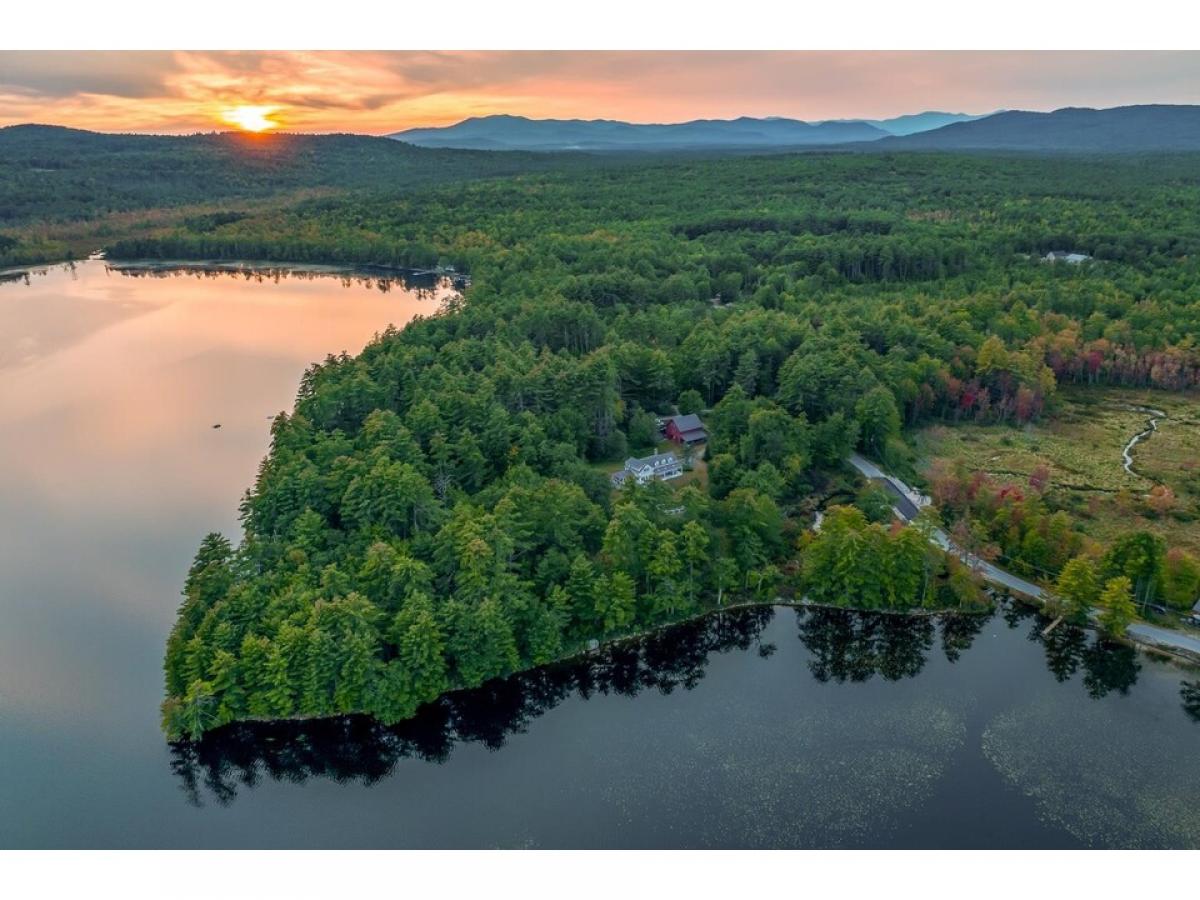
[(754, 728)]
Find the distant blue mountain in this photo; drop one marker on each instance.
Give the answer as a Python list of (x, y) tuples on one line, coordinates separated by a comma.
[(519, 133), (924, 121), (1122, 129)]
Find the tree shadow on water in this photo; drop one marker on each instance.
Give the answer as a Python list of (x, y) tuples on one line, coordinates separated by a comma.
[(360, 749), (1108, 666), (1189, 693), (855, 646)]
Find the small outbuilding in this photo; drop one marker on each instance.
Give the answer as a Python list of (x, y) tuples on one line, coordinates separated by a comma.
[(685, 430)]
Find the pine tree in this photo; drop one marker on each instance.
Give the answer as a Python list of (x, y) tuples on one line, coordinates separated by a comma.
[(616, 602), (319, 671), (223, 678), (481, 642), (252, 674), (581, 588), (279, 696), (421, 649)]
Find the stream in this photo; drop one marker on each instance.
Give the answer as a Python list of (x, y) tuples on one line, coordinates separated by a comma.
[(1156, 415)]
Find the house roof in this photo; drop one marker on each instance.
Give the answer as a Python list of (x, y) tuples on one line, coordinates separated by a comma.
[(657, 461), (690, 422), (1067, 255), (694, 434)]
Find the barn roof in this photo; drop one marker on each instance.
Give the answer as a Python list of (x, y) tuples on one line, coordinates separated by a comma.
[(690, 422)]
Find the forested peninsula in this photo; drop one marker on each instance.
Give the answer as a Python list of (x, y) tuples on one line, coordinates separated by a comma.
[(438, 510)]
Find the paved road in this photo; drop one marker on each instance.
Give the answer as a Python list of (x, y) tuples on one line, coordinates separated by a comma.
[(903, 505), (909, 503), (1164, 637)]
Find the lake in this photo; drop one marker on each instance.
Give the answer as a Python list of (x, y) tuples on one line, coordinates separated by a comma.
[(750, 728)]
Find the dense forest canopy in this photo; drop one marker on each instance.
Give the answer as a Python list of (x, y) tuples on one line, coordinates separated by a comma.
[(437, 511), (49, 173), (52, 178)]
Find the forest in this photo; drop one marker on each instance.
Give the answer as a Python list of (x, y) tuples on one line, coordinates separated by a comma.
[(436, 511), (66, 192)]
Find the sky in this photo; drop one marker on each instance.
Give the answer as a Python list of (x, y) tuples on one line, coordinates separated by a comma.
[(382, 92)]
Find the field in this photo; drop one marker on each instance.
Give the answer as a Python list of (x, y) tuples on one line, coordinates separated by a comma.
[(1081, 445)]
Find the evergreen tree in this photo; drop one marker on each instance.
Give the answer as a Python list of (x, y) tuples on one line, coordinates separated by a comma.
[(616, 605), (279, 698), (420, 650), (481, 643)]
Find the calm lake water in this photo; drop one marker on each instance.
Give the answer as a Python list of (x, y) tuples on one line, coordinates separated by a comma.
[(755, 728)]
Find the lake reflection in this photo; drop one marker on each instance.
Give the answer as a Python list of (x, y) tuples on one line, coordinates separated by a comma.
[(752, 728), (357, 748), (843, 647)]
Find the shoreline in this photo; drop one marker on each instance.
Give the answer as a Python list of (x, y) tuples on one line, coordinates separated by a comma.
[(147, 265), (1180, 658), (1147, 644), (607, 643), (267, 265)]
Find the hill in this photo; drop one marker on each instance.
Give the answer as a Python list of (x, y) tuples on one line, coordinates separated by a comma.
[(1122, 129), (49, 173), (520, 133)]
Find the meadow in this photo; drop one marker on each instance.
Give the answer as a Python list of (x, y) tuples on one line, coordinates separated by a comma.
[(1080, 445)]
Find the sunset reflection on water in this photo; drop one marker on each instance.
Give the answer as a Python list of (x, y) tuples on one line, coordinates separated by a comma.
[(110, 468)]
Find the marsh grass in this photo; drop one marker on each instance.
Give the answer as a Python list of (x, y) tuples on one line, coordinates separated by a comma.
[(1080, 442)]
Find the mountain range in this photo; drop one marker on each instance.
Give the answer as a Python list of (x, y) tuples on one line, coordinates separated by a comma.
[(1124, 129), (924, 121), (504, 132)]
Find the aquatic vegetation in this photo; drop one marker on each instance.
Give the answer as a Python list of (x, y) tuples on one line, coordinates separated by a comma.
[(1092, 772)]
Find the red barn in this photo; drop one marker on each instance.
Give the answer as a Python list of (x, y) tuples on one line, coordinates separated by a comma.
[(685, 429)]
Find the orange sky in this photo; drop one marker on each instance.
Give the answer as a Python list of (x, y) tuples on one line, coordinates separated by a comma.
[(380, 92)]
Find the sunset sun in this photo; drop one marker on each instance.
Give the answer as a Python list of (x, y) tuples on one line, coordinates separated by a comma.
[(251, 118)]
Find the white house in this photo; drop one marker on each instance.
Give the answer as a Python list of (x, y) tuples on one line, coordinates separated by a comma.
[(660, 466), (1065, 256)]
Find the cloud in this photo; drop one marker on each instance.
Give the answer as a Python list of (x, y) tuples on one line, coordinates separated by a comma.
[(379, 92), (53, 74)]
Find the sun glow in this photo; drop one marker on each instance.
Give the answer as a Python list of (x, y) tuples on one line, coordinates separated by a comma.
[(251, 118)]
